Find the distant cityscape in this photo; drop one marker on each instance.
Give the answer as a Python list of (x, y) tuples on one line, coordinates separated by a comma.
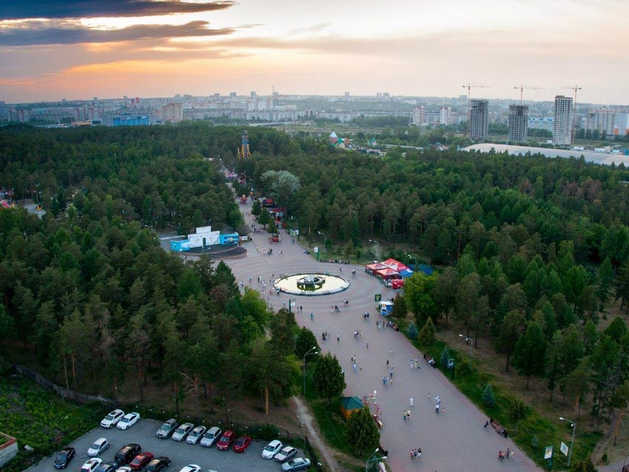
[(559, 117)]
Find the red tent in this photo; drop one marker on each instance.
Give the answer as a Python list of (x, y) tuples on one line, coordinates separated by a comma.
[(386, 273), (395, 265), (371, 268)]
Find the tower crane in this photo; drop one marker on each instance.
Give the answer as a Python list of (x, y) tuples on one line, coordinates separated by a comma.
[(521, 88), (575, 89), (469, 87)]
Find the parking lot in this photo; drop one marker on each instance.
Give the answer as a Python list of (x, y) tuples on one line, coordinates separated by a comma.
[(143, 433)]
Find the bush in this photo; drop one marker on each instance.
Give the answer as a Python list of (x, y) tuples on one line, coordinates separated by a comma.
[(445, 355), (465, 368), (489, 398), (268, 432), (427, 334), (535, 442), (412, 331)]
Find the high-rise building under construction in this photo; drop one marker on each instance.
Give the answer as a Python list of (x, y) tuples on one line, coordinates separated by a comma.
[(479, 120), (518, 123)]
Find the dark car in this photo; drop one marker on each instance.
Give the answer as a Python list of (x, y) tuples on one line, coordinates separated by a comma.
[(127, 453), (110, 466), (64, 457), (157, 465), (141, 460)]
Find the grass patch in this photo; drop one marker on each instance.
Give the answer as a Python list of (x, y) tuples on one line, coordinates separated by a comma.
[(39, 418)]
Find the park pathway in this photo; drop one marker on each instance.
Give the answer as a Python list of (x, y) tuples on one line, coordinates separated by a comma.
[(453, 441)]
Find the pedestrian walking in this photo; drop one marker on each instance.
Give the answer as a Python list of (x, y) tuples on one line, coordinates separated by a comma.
[(404, 415), (410, 402), (311, 316), (437, 408), (508, 453), (412, 364), (387, 363), (338, 338), (367, 345)]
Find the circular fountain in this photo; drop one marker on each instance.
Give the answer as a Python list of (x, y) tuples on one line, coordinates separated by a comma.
[(311, 284)]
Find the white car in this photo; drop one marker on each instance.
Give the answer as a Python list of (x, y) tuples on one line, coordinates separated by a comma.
[(91, 464), (99, 446), (271, 449), (195, 435), (112, 419), (124, 468), (128, 420), (191, 468), (287, 453), (181, 432)]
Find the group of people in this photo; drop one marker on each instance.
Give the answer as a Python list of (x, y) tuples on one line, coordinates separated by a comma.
[(416, 453), (504, 455)]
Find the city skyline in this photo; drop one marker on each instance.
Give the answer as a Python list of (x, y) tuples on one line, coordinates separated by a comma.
[(414, 48)]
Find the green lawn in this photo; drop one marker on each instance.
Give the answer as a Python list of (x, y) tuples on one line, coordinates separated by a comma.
[(40, 419)]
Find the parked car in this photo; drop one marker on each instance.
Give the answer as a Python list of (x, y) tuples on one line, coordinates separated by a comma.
[(128, 420), (226, 441), (242, 443), (99, 446), (127, 453), (195, 435), (271, 449), (110, 466), (167, 428), (64, 457), (141, 460), (299, 463), (287, 453), (124, 468), (191, 468), (158, 464), (211, 436), (183, 430), (112, 419), (91, 464)]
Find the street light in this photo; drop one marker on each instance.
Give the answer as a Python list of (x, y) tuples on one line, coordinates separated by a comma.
[(574, 430), (309, 353), (324, 239), (377, 244), (384, 456), (469, 341), (415, 259)]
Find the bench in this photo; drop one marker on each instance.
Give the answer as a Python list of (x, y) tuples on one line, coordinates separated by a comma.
[(498, 427)]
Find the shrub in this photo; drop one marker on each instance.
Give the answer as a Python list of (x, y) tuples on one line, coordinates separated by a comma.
[(445, 355), (489, 399), (412, 331), (465, 367)]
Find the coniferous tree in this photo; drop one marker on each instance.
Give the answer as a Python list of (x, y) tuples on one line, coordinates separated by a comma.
[(329, 379), (361, 431), (427, 334), (530, 352)]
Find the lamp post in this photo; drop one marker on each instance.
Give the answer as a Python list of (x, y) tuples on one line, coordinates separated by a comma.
[(377, 244), (324, 240), (574, 430), (414, 259), (309, 353), (384, 456), (469, 341)]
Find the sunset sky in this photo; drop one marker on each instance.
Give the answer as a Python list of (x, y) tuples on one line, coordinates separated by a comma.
[(53, 49)]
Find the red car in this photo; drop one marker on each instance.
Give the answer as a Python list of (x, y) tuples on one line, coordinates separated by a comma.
[(242, 443), (226, 441), (141, 460)]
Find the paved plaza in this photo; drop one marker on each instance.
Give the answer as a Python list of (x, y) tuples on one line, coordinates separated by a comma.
[(453, 441)]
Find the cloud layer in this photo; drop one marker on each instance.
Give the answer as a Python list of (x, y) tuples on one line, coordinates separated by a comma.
[(23, 9), (39, 33)]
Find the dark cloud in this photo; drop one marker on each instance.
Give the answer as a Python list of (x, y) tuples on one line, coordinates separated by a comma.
[(39, 33), (23, 9)]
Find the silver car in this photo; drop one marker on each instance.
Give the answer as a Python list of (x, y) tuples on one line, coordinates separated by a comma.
[(211, 436), (183, 431), (195, 435)]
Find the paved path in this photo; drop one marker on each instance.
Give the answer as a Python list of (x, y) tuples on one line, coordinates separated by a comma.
[(454, 441), (303, 414)]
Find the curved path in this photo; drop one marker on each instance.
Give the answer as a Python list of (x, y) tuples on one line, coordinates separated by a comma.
[(453, 441)]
